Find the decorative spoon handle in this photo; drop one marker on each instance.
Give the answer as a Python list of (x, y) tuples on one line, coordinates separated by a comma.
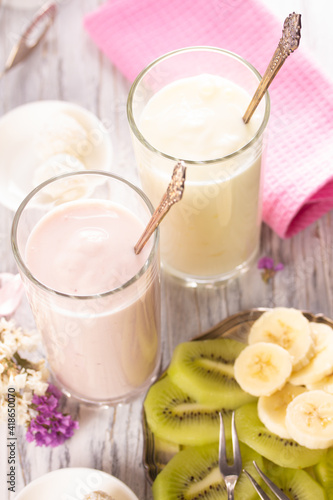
[(31, 36), (174, 193), (288, 43)]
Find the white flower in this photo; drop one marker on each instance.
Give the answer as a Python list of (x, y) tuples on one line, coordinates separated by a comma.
[(22, 410), (3, 386), (41, 367), (28, 342), (18, 381), (27, 381), (35, 382), (13, 338), (5, 325), (8, 345)]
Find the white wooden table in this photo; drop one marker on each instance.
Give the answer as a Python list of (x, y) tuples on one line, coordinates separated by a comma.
[(68, 66)]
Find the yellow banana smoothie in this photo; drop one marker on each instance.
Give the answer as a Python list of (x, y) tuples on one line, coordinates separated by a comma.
[(215, 229)]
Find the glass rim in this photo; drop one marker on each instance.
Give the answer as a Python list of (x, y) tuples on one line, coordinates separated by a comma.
[(199, 48), (25, 270)]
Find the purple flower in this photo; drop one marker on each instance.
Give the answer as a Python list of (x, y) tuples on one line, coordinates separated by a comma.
[(265, 263), (50, 427), (52, 389), (45, 404), (269, 268)]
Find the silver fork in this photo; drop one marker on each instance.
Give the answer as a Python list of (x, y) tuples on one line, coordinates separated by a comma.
[(230, 473), (278, 493)]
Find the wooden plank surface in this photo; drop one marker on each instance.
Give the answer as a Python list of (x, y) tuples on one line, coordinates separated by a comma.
[(68, 66)]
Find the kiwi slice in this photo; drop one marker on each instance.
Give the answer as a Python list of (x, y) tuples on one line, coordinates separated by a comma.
[(324, 473), (164, 451), (283, 452), (194, 474), (174, 416), (297, 484), (205, 370)]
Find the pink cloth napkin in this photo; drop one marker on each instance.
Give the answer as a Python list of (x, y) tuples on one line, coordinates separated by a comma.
[(298, 186)]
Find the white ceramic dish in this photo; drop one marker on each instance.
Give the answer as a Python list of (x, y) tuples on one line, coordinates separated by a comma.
[(74, 483), (24, 142)]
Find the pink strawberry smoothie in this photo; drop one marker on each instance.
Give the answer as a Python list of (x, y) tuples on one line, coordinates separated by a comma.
[(105, 345)]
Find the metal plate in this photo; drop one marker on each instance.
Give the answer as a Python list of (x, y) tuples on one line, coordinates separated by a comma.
[(236, 326)]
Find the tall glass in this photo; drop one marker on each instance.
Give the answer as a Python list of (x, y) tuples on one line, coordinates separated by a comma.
[(102, 348), (213, 233)]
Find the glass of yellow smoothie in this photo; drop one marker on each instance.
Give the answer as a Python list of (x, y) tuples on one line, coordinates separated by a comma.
[(188, 106), (95, 302)]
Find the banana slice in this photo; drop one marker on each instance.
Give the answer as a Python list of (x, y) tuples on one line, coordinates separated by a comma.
[(272, 409), (262, 368), (288, 328), (309, 419), (325, 384), (322, 362)]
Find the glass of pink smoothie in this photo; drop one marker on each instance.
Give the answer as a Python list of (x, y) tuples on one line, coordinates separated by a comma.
[(96, 303)]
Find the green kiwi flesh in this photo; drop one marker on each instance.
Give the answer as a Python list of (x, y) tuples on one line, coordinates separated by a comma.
[(205, 370), (163, 452), (324, 473), (174, 416), (297, 484), (283, 452), (193, 474)]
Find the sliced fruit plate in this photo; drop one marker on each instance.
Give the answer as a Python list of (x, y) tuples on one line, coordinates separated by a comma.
[(259, 363)]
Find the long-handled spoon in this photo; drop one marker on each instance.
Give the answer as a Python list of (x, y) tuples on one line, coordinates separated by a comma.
[(32, 35), (174, 193), (288, 43)]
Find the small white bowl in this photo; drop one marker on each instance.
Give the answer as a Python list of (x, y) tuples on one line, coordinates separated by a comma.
[(74, 483), (27, 143)]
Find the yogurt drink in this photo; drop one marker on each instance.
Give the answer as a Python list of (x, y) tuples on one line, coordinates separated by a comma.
[(213, 233), (90, 245), (98, 306), (198, 118)]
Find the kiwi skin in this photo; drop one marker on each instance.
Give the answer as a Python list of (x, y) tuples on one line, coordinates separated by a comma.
[(204, 369), (297, 484), (176, 417), (323, 472), (283, 452), (193, 474)]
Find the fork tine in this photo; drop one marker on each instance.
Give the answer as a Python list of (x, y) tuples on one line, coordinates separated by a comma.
[(256, 486), (235, 445), (222, 447), (280, 495), (236, 467), (230, 473)]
